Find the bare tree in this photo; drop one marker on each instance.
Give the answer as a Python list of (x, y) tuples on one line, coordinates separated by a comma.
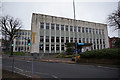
[(114, 19), (9, 27)]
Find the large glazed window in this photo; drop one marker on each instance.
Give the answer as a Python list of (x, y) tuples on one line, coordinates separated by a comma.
[(41, 25)]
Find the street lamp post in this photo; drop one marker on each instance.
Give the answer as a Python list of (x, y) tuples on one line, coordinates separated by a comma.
[(75, 30)]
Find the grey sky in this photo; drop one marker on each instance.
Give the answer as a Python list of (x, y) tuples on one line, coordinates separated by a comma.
[(87, 11)]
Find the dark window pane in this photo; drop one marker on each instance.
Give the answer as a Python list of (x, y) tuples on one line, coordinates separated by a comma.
[(41, 39), (62, 27), (71, 28), (52, 26), (52, 39), (41, 25), (57, 39), (47, 38), (57, 26), (47, 25), (66, 27)]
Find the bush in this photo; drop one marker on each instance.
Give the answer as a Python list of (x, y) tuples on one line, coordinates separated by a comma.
[(62, 55), (104, 53)]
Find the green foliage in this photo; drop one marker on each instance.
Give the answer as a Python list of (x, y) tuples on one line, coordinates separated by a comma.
[(62, 55), (15, 53), (70, 47), (104, 53)]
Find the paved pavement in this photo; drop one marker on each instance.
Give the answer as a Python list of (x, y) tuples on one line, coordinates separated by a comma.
[(62, 70)]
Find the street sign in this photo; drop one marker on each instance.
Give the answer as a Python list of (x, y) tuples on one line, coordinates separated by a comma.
[(80, 43)]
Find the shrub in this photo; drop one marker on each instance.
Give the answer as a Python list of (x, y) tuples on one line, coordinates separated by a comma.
[(104, 53)]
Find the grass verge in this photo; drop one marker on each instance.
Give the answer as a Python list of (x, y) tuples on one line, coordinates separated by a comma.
[(8, 74)]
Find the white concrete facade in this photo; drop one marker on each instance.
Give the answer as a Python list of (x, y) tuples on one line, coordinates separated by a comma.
[(46, 30)]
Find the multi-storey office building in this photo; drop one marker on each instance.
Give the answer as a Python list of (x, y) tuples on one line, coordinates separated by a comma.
[(20, 43), (51, 34)]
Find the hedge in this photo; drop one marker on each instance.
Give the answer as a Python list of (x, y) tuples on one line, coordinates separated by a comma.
[(113, 53)]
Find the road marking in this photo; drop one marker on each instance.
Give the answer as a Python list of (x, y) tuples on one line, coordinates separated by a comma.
[(107, 67), (28, 61), (18, 68)]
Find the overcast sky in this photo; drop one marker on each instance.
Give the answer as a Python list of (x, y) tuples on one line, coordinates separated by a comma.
[(93, 11)]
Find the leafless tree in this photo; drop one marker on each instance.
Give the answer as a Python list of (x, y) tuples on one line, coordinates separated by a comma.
[(114, 19), (9, 27)]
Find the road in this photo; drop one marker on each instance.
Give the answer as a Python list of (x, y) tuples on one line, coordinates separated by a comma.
[(62, 70)]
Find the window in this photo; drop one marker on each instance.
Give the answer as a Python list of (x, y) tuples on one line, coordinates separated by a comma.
[(28, 33), (87, 40), (83, 40), (97, 41), (22, 43), (25, 33), (79, 40), (16, 42), (41, 39), (19, 42), (93, 31), (22, 33), (57, 26), (66, 27), (100, 41), (71, 39), (71, 28), (98, 47), (52, 26), (75, 28), (79, 29), (96, 31), (41, 25), (99, 31), (47, 47), (62, 27), (15, 48), (67, 39), (86, 30), (47, 25), (62, 47), (22, 37), (104, 46), (94, 41), (89, 30), (22, 48), (94, 47), (75, 39), (57, 47), (82, 29), (52, 39), (57, 39), (52, 47), (62, 39), (102, 31), (41, 46), (90, 40), (47, 38)]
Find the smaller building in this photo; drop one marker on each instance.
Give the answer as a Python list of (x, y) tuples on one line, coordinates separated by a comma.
[(20, 43), (112, 41)]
